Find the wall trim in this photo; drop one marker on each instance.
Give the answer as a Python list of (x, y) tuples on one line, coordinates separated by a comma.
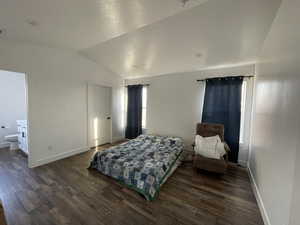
[(4, 144), (58, 157), (243, 163), (258, 197)]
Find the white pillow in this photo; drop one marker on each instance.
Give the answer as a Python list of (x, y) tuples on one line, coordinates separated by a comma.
[(210, 147), (198, 144), (221, 149)]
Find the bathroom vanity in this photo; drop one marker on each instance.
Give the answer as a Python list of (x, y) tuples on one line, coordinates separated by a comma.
[(22, 135)]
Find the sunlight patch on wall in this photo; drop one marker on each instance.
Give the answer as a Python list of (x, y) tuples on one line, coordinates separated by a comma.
[(96, 130)]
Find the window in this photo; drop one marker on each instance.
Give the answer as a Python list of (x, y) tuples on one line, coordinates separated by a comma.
[(144, 107), (246, 110), (243, 111)]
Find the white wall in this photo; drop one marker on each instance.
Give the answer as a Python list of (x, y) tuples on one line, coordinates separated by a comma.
[(274, 160), (175, 101), (295, 205), (57, 97), (118, 112), (12, 103)]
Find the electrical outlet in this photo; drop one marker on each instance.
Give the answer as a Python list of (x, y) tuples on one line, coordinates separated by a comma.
[(2, 33), (50, 147)]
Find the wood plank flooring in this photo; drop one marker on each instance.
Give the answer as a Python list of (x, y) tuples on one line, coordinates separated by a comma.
[(66, 193)]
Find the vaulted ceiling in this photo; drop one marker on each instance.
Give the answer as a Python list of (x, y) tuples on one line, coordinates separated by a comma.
[(135, 38)]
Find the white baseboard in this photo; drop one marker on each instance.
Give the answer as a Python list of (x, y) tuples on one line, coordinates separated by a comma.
[(243, 163), (58, 157), (259, 199), (4, 145)]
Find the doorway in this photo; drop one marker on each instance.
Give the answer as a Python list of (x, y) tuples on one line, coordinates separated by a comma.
[(13, 113), (99, 115)]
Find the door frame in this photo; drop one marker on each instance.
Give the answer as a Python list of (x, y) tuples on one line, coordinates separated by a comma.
[(26, 78), (87, 110)]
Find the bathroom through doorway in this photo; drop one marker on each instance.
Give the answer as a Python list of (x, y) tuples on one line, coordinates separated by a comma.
[(13, 113)]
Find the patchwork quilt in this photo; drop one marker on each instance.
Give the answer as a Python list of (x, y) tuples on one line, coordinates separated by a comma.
[(142, 164)]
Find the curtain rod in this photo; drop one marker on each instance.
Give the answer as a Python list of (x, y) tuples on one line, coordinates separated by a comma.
[(139, 84), (221, 77)]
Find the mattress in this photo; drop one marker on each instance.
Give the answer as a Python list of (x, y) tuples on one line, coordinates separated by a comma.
[(142, 164)]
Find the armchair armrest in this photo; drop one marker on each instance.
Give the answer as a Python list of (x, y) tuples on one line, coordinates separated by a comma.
[(227, 149)]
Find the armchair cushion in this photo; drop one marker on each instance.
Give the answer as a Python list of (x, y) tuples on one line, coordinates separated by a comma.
[(208, 164)]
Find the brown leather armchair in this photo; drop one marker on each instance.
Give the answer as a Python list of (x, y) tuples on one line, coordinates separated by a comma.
[(2, 218), (208, 164)]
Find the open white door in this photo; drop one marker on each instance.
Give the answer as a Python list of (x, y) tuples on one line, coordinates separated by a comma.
[(99, 115)]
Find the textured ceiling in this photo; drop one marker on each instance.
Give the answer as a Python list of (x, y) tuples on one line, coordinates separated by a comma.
[(214, 34), (136, 38), (79, 24)]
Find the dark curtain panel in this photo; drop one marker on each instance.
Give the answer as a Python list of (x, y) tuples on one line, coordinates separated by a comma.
[(134, 111), (222, 104)]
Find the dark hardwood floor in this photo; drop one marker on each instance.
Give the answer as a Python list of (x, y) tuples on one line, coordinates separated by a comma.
[(65, 192)]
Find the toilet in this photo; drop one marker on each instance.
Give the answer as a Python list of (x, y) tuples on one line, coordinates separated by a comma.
[(13, 141)]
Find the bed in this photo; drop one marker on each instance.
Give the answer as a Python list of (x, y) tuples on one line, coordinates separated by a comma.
[(142, 164)]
